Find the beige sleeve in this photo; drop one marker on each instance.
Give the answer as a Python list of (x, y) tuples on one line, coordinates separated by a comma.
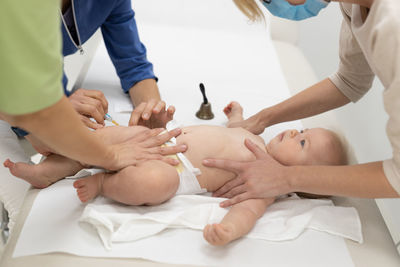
[(354, 77), (386, 54), (391, 99)]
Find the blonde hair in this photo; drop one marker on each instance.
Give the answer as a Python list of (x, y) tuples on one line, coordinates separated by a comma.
[(250, 9)]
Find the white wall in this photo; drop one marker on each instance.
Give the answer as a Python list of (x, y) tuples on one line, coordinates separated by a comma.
[(319, 40), (76, 65)]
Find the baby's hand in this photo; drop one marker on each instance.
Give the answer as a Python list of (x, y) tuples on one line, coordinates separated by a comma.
[(219, 234), (228, 108), (152, 114)]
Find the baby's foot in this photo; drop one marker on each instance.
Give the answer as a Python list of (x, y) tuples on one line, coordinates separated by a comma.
[(234, 112), (27, 172), (89, 187), (219, 234)]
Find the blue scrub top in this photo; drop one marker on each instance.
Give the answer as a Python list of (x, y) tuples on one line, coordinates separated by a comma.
[(118, 26)]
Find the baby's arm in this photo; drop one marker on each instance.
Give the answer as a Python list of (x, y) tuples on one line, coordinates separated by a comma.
[(240, 219)]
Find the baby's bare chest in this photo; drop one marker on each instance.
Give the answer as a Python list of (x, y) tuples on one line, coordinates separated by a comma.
[(215, 142)]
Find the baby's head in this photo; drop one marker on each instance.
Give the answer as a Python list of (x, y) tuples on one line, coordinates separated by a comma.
[(316, 146)]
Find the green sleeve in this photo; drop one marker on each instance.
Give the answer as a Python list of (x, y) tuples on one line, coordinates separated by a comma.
[(30, 55)]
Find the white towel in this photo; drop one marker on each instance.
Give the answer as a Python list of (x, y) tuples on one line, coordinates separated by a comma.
[(286, 219), (12, 189)]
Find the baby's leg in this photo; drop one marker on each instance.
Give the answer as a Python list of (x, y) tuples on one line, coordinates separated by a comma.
[(234, 112), (149, 183), (52, 169), (237, 222)]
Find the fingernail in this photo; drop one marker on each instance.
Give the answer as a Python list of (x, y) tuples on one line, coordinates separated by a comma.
[(206, 161), (183, 147), (145, 115)]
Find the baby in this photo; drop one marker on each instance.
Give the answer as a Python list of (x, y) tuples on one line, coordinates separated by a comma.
[(153, 182)]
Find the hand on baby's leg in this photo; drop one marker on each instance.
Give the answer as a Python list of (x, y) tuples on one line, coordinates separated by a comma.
[(219, 234), (118, 134)]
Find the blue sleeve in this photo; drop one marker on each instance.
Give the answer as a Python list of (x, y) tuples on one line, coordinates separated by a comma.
[(65, 82), (126, 51)]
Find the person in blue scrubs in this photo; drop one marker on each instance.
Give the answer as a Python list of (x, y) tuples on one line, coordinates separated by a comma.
[(116, 19), (31, 94)]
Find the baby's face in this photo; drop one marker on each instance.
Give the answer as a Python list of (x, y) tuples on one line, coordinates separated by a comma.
[(292, 147)]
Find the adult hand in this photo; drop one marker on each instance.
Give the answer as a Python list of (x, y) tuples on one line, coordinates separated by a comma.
[(152, 114), (261, 178), (146, 145), (90, 104), (252, 124)]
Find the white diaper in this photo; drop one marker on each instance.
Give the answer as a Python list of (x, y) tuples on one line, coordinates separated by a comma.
[(85, 172), (188, 183)]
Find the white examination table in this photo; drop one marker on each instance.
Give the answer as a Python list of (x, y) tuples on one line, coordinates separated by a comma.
[(376, 247)]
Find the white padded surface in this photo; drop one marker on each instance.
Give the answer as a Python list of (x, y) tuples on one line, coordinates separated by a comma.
[(12, 189)]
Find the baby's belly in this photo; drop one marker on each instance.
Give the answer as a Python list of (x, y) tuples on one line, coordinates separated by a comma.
[(213, 143), (210, 178)]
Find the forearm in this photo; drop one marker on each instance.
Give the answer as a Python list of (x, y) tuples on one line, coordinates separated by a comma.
[(363, 180), (244, 215), (144, 91), (314, 100), (60, 128)]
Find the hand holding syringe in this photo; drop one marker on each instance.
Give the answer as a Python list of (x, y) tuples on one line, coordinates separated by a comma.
[(107, 117)]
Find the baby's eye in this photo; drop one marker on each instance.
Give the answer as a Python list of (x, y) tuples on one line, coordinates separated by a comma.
[(301, 131), (302, 143)]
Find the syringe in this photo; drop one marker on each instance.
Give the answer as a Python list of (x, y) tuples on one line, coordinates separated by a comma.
[(107, 117)]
